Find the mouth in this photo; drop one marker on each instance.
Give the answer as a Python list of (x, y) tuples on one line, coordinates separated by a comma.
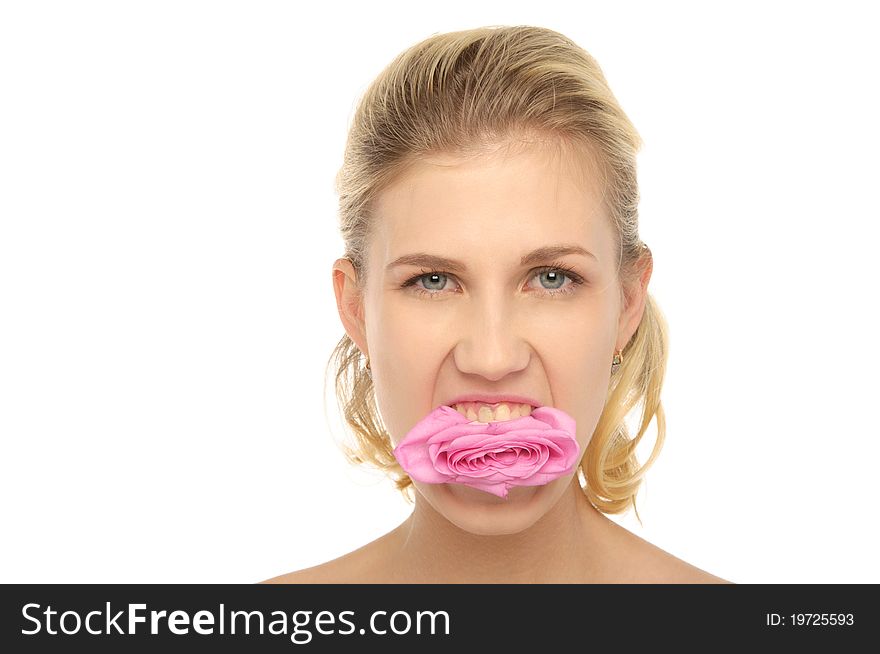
[(494, 412)]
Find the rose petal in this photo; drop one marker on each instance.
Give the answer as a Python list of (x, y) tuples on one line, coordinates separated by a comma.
[(446, 447)]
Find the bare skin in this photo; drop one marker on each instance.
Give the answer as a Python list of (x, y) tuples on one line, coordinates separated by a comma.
[(610, 554)]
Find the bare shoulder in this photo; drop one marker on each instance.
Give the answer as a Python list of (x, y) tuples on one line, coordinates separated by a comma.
[(681, 572), (661, 567), (361, 566), (647, 563), (325, 573)]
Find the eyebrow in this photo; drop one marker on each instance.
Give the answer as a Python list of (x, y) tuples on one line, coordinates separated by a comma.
[(539, 255)]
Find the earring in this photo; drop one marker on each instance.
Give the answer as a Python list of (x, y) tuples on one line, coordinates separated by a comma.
[(367, 367), (616, 361)]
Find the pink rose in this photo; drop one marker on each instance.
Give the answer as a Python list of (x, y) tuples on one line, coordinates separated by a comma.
[(446, 447)]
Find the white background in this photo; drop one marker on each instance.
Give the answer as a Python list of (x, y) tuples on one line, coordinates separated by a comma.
[(168, 226)]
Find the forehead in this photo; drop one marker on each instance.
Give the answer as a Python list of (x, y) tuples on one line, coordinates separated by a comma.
[(517, 197)]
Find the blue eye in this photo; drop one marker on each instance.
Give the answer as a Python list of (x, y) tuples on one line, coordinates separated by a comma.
[(555, 272), (430, 279), (556, 276)]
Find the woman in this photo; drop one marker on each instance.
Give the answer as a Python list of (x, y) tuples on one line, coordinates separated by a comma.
[(493, 268)]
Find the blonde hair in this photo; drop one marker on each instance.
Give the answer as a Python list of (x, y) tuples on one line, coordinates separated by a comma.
[(461, 92)]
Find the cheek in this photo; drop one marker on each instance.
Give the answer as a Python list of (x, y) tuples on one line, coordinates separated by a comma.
[(579, 375), (403, 330), (410, 355), (406, 326)]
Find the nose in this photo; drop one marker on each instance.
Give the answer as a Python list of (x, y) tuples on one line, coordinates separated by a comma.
[(490, 345)]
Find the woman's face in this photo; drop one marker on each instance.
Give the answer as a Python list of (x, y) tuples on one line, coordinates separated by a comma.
[(493, 324)]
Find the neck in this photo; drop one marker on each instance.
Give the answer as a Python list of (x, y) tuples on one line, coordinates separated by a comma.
[(570, 543)]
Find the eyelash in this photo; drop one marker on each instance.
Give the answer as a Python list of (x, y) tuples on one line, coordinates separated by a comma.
[(576, 279)]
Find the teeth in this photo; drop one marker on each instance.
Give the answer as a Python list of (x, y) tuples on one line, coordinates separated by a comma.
[(480, 412)]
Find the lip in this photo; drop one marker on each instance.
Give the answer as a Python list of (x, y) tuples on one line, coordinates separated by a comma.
[(494, 398)]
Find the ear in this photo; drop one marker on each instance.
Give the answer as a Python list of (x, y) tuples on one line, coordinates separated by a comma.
[(635, 295), (349, 302)]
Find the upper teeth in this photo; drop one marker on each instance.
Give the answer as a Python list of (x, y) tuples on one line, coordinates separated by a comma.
[(482, 412)]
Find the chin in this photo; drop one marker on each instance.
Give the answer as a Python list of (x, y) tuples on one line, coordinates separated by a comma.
[(484, 514)]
